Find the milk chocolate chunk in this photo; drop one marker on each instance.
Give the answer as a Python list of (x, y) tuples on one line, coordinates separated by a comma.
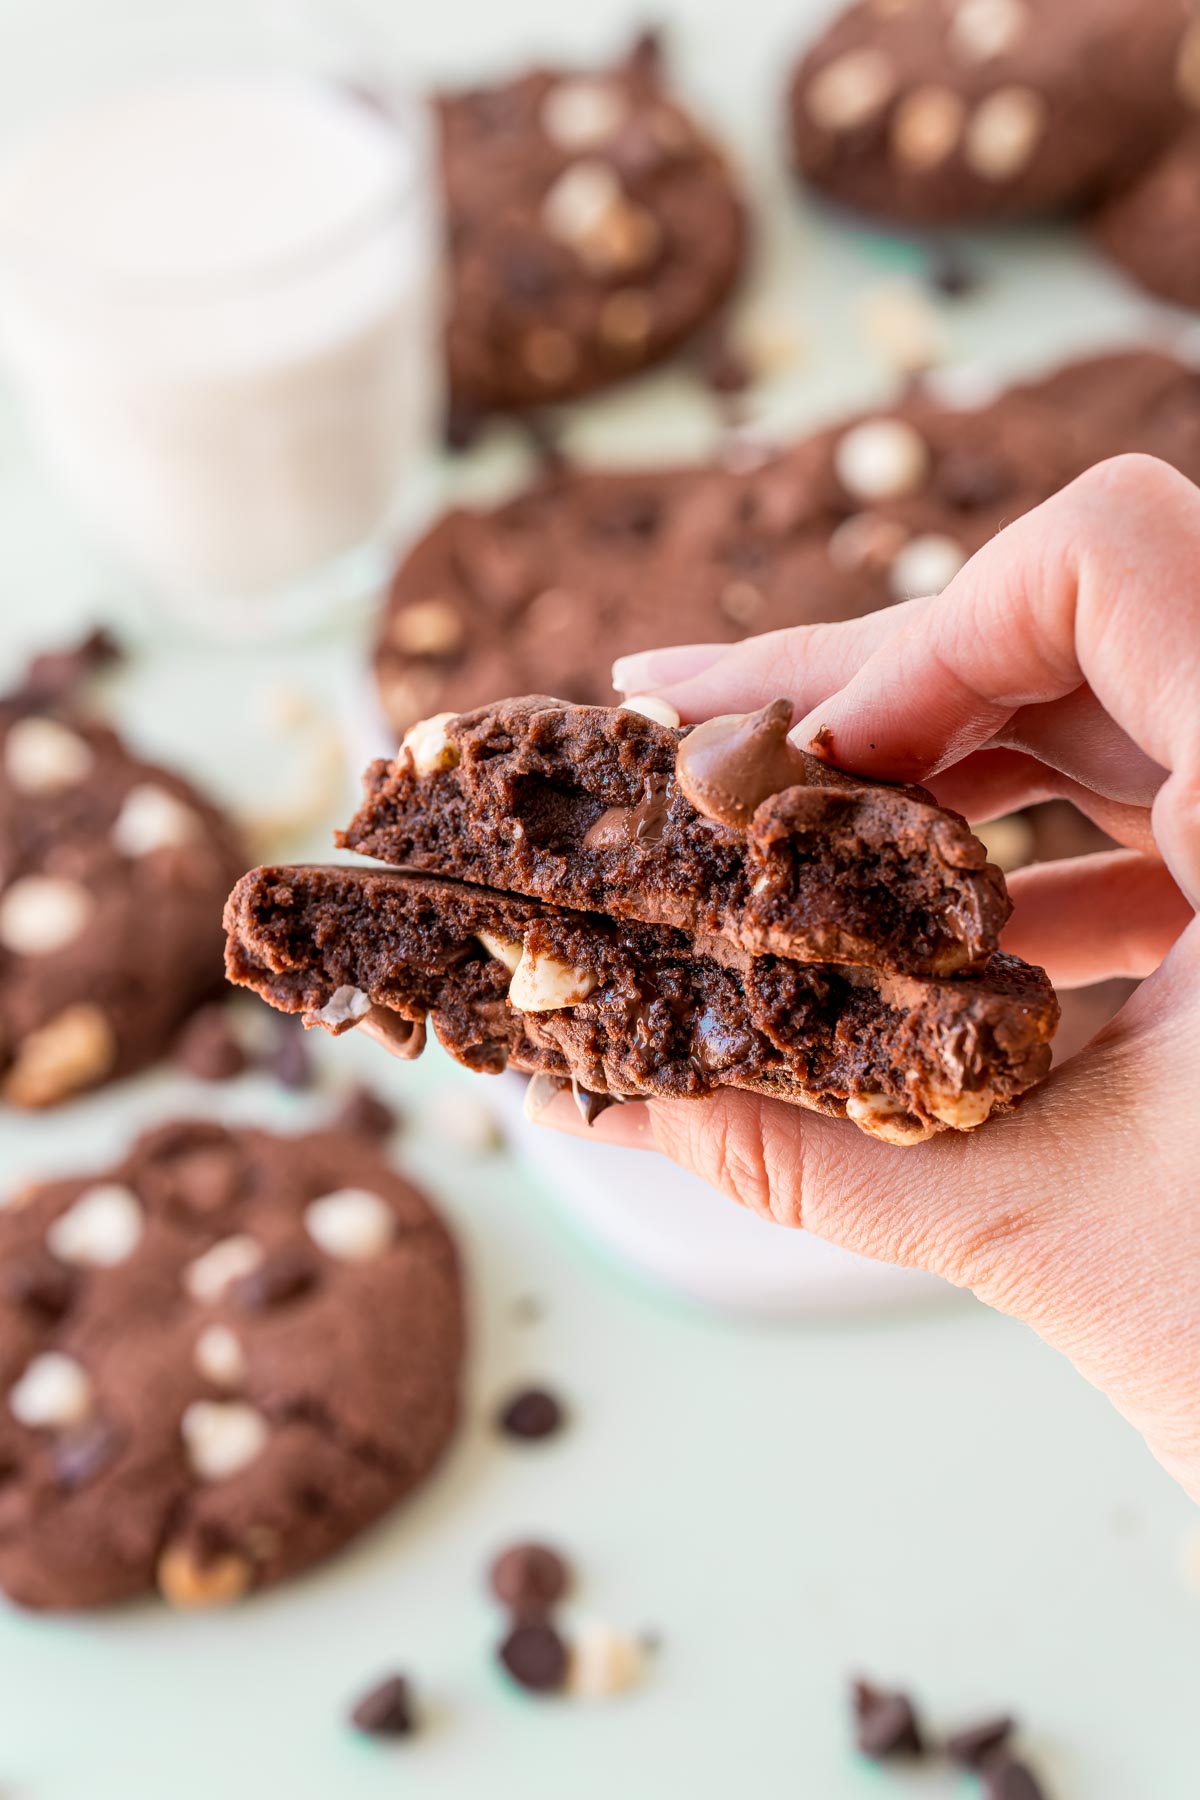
[(724, 828), (662, 1012)]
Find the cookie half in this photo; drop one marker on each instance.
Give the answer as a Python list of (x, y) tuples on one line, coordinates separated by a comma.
[(623, 1009), (944, 112), (113, 872), (517, 598), (592, 226), (220, 1360)]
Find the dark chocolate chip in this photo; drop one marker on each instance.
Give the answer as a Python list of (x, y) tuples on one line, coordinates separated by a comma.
[(208, 1047), (290, 1061), (1004, 1778), (530, 1579), (723, 369), (38, 1283), (83, 1451), (363, 1114), (535, 1656), (533, 1413), (386, 1711), (591, 1105), (950, 273), (885, 1723), (283, 1276), (972, 1746), (647, 52)]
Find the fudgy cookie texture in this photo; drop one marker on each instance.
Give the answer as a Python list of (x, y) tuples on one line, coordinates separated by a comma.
[(625, 1009), (112, 876), (516, 599), (220, 1359), (722, 827), (592, 226), (957, 111), (1152, 228)]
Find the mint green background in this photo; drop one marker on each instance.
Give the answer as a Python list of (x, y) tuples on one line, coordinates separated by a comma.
[(932, 1497)]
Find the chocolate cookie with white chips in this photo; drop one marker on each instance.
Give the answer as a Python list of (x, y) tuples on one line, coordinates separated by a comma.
[(220, 1359)]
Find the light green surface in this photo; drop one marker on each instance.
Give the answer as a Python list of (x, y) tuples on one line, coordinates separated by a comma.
[(934, 1498)]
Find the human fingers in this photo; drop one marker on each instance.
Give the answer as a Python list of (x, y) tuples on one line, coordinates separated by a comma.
[(1094, 917)]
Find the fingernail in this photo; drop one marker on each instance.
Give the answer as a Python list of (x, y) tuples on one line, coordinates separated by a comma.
[(540, 1095), (551, 1103), (659, 668), (651, 707)]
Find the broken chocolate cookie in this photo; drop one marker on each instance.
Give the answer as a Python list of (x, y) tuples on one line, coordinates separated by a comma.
[(725, 828), (631, 1009)]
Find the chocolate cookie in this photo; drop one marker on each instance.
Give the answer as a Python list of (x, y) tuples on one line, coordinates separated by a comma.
[(625, 1009), (592, 226), (537, 595), (961, 111), (220, 1360), (722, 827), (1152, 228), (112, 875)]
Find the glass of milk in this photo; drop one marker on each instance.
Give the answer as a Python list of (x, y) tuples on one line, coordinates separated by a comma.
[(219, 299)]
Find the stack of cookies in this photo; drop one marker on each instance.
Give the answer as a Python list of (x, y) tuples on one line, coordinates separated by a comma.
[(641, 909)]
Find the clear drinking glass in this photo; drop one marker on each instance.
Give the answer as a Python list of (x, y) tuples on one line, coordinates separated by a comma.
[(219, 301)]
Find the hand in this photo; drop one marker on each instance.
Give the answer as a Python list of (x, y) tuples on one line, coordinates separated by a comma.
[(1063, 660)]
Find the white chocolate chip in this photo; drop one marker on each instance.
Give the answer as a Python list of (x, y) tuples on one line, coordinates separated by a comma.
[(881, 459), (429, 744), (964, 1111), (345, 1006), (544, 983), (41, 755), (101, 1229), (1187, 64), (1003, 132), (925, 565), (577, 115), (651, 707), (507, 951), (219, 1356), (226, 1261), (581, 199), (53, 1391), (152, 819), (926, 126), (886, 1119), (352, 1223), (901, 323), (427, 628), (961, 387), (850, 90), (71, 1051), (222, 1437), (42, 913), (982, 29), (603, 1661)]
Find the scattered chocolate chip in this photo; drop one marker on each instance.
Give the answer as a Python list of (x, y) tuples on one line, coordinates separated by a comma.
[(972, 1746), (530, 1579), (280, 1277), (386, 1711), (535, 1656), (83, 1451), (647, 51), (1004, 1778), (38, 1283), (364, 1114), (949, 272), (533, 1413), (290, 1062), (885, 1723), (207, 1046), (463, 425)]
